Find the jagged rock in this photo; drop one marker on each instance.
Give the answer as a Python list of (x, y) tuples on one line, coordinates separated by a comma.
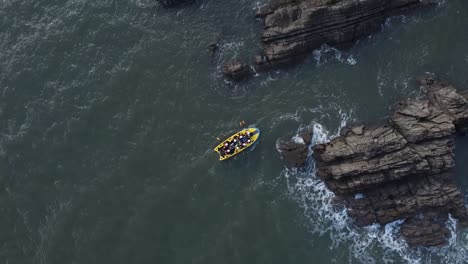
[(173, 3), (373, 141), (213, 49), (236, 70), (295, 150), (402, 170), (293, 28), (426, 229), (306, 135), (420, 120), (450, 102), (402, 199)]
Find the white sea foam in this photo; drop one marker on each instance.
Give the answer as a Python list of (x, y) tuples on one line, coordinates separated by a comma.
[(232, 45), (296, 116), (258, 5), (144, 3), (297, 139), (358, 196), (371, 244), (327, 53)]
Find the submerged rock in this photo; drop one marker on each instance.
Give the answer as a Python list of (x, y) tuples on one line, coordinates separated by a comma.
[(402, 170), (213, 48), (293, 28), (236, 70)]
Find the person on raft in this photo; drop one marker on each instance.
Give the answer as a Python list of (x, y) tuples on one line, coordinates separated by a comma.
[(239, 142)]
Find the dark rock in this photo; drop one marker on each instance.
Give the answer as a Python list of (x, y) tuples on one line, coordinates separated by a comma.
[(236, 70), (421, 120), (402, 199), (426, 229), (306, 135), (293, 28), (450, 102), (402, 169), (213, 48), (173, 3), (295, 150), (261, 63), (293, 153)]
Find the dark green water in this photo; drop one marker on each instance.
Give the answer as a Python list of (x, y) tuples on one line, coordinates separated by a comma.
[(109, 110)]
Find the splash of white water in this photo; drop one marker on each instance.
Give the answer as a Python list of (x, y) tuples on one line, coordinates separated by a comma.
[(371, 244)]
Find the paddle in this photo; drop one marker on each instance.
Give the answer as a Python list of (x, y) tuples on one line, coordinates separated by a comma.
[(241, 124)]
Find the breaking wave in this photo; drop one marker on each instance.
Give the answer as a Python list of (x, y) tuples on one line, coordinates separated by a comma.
[(371, 244), (327, 53)]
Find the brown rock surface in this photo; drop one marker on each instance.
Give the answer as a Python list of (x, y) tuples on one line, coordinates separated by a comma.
[(293, 28), (451, 102), (236, 70), (295, 150), (426, 228), (402, 170)]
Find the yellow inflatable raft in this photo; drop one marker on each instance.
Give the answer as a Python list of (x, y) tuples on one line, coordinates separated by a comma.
[(235, 143)]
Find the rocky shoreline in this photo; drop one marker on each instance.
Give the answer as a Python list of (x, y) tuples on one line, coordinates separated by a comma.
[(401, 170), (398, 171), (292, 29)]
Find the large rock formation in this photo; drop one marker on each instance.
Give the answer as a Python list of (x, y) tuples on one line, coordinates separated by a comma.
[(402, 170), (293, 28)]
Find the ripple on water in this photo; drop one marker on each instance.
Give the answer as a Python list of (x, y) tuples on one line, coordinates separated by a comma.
[(327, 53)]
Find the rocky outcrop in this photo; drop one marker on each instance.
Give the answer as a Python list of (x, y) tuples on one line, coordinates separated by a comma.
[(295, 150), (236, 70), (426, 228), (173, 3), (293, 28), (402, 170), (450, 102)]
